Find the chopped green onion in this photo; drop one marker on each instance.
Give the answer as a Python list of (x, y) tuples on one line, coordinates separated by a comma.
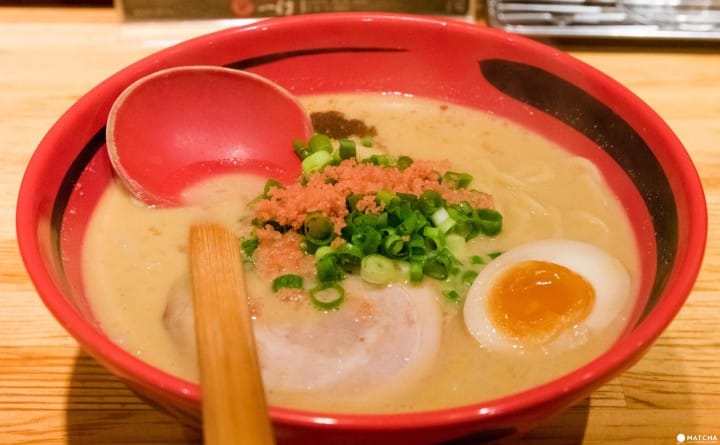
[(464, 228), (488, 221), (347, 149), (462, 213), (457, 180), (429, 202), (328, 269), (327, 296), (367, 238), (381, 160), (316, 161), (307, 247), (384, 197), (417, 249), (288, 281), (395, 246), (399, 208), (322, 251), (320, 142), (439, 266), (366, 141), (434, 239), (456, 245), (249, 245), (412, 223), (451, 294), (403, 162), (301, 150), (349, 254), (408, 198), (416, 271), (374, 220), (469, 276), (484, 259), (271, 184), (441, 219), (377, 269), (464, 208), (352, 200), (435, 268), (298, 144), (318, 229)]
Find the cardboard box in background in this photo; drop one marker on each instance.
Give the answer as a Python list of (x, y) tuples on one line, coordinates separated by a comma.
[(209, 9)]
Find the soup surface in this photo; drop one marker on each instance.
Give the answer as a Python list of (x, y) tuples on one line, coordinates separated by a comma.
[(420, 355)]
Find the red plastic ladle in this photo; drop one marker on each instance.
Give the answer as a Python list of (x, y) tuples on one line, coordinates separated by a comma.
[(177, 126)]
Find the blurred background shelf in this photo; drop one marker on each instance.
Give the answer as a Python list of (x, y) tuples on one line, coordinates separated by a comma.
[(630, 19)]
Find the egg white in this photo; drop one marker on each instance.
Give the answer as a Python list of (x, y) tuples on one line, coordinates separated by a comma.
[(605, 273)]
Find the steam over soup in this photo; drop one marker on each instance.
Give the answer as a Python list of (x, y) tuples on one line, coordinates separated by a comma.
[(539, 264)]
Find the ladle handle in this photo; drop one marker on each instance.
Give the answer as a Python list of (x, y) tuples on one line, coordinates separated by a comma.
[(234, 405)]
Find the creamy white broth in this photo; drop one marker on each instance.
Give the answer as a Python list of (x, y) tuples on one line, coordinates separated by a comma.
[(133, 255)]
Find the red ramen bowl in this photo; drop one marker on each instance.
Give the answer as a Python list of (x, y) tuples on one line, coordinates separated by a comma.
[(538, 87)]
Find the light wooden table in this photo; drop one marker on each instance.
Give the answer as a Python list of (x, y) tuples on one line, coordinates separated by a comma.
[(53, 393)]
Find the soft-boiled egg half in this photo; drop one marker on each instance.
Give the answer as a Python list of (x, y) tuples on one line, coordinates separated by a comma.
[(546, 295)]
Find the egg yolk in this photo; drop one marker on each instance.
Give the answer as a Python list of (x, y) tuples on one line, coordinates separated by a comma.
[(534, 301)]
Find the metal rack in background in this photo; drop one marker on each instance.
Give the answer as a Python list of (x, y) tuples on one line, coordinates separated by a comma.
[(660, 19)]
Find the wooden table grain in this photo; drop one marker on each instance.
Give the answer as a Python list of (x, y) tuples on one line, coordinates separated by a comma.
[(53, 393)]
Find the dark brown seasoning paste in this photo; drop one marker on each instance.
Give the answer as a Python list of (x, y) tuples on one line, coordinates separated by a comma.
[(337, 126)]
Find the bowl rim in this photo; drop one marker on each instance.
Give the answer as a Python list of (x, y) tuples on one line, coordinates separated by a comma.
[(616, 359)]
